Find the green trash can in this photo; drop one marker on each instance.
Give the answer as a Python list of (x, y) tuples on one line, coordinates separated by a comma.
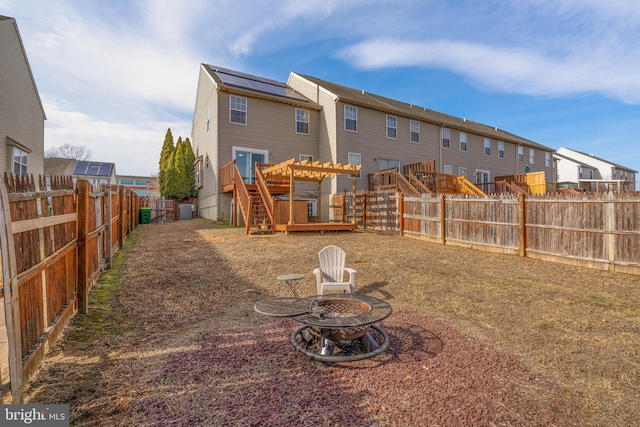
[(145, 215)]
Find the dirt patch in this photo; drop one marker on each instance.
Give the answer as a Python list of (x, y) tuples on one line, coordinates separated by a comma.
[(476, 338)]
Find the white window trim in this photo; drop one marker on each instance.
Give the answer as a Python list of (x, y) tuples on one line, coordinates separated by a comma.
[(388, 128), (547, 159), (532, 156), (465, 141), (520, 154), (412, 132), (501, 152), (246, 112), (302, 121), (23, 165), (462, 171), (448, 168), (306, 157), (359, 162), (446, 131), (346, 118), (485, 147)]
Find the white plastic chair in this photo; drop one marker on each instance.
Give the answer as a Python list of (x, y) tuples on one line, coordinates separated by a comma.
[(330, 275)]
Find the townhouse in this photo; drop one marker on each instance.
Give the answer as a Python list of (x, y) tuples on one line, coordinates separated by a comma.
[(249, 119)]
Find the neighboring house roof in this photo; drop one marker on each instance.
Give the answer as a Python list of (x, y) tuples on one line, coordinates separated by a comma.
[(243, 82), (9, 20), (599, 159), (578, 162), (391, 106), (79, 168), (59, 167)]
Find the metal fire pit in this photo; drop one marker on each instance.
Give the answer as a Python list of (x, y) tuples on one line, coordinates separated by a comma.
[(340, 328)]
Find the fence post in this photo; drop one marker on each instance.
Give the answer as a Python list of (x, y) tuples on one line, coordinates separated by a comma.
[(11, 296), (443, 231), (401, 212), (121, 218), (82, 207), (108, 222), (610, 227), (522, 246)]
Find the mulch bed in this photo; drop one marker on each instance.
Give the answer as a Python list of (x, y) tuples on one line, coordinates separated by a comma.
[(180, 343)]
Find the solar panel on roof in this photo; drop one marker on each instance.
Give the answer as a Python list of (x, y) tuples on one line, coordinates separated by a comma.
[(255, 83), (81, 168), (105, 169)]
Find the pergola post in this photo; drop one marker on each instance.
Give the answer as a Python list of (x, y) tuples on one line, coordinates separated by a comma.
[(353, 220), (291, 175), (320, 201)]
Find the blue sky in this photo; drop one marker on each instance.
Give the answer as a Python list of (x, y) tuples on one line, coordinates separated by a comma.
[(114, 75)]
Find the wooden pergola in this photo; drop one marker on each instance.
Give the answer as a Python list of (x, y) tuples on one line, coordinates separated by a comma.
[(305, 170)]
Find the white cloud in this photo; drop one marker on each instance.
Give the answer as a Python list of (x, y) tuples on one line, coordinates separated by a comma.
[(518, 70), (135, 149)]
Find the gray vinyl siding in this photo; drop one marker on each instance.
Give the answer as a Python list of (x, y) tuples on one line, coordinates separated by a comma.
[(205, 145), (21, 114)]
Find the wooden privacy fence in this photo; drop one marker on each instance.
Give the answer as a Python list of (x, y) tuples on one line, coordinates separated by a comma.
[(56, 240), (597, 231)]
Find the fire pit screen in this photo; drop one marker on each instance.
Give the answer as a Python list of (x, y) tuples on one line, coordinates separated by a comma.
[(335, 327)]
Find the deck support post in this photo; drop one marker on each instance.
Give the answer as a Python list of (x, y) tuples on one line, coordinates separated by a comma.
[(291, 177), (353, 220)]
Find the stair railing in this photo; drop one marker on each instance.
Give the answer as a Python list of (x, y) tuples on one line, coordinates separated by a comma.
[(265, 194), (465, 186), (243, 196), (418, 184)]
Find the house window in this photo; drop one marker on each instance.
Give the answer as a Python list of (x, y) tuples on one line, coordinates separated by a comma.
[(500, 150), (520, 153), (482, 176), (207, 162), (302, 121), (462, 171), (208, 118), (415, 132), (532, 156), (547, 159), (350, 118), (463, 141), (392, 127), (197, 172), (448, 169), (446, 135), (140, 182), (238, 109), (306, 157), (487, 147), (384, 164), (126, 182), (19, 162), (354, 159)]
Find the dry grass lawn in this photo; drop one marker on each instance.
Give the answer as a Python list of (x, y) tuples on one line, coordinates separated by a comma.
[(477, 338)]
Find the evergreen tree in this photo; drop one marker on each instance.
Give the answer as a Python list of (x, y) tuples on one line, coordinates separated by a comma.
[(170, 178), (167, 149), (189, 161), (182, 189)]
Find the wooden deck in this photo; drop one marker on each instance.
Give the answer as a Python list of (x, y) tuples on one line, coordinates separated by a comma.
[(316, 226)]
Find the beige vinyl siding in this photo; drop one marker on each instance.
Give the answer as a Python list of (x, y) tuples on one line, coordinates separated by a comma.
[(205, 144), (371, 143), (271, 127), (21, 114)]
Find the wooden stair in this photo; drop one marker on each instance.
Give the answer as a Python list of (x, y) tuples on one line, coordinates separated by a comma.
[(259, 220)]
